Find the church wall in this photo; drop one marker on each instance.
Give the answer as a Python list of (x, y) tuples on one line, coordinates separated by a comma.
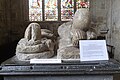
[(115, 33)]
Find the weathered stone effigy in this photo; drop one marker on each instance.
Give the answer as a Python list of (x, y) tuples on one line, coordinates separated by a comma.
[(37, 43), (71, 32)]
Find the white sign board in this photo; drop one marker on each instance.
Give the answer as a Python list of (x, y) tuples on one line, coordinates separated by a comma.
[(44, 61), (93, 50)]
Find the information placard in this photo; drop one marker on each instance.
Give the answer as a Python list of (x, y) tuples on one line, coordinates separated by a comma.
[(44, 61), (93, 50)]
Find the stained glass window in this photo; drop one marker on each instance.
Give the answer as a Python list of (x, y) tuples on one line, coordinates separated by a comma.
[(51, 10), (82, 4), (67, 9), (35, 10), (48, 10)]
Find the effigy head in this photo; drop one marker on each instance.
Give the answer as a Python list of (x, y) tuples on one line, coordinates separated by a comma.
[(33, 32), (81, 19)]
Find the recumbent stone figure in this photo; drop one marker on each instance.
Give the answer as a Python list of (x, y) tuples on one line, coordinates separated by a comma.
[(71, 32), (35, 44)]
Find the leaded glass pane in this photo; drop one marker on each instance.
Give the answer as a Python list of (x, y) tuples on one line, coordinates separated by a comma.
[(67, 9), (82, 4), (35, 10), (51, 10)]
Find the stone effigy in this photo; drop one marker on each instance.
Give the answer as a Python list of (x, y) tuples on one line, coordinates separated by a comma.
[(71, 32), (65, 36), (69, 52), (35, 43)]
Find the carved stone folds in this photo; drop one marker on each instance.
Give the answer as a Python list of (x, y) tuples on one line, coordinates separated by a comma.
[(36, 43), (71, 32)]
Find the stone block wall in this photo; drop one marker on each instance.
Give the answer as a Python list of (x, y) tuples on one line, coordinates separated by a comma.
[(11, 20), (11, 26), (4, 31), (101, 16), (115, 27)]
